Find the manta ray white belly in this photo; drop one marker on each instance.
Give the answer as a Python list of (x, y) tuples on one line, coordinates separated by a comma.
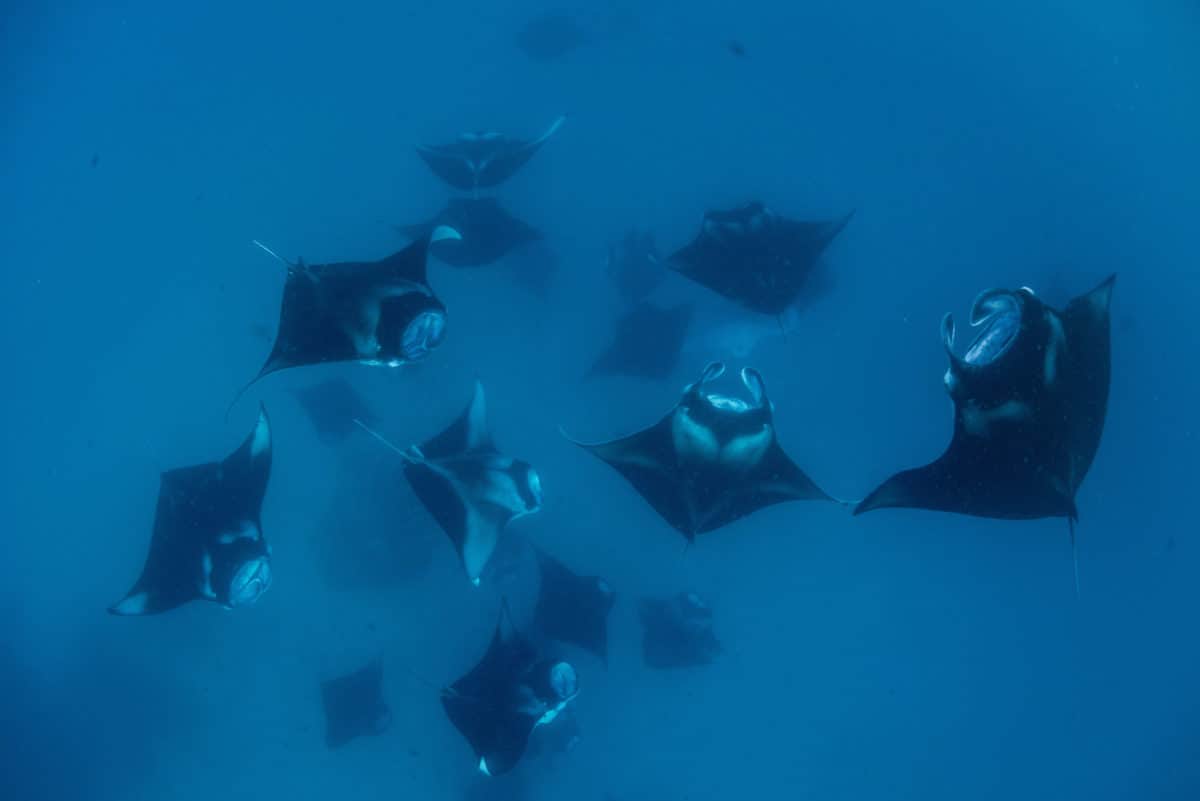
[(695, 443)]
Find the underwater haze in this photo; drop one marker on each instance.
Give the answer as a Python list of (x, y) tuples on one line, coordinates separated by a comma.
[(903, 654)]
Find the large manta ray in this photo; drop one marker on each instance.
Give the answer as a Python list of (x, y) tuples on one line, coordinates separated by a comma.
[(208, 542), (354, 705), (755, 257), (376, 312), (469, 487), (488, 232), (482, 159), (1030, 397), (711, 460), (511, 691)]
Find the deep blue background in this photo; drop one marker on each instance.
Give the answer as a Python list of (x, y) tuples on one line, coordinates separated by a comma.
[(900, 655)]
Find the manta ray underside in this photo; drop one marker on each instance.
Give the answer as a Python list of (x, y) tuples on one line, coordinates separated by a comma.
[(208, 542), (711, 460), (469, 487), (1030, 397), (512, 690)]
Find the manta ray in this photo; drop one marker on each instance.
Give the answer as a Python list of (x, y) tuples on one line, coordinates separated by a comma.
[(483, 159), (513, 690), (754, 256), (208, 542), (711, 460), (1030, 397), (469, 487)]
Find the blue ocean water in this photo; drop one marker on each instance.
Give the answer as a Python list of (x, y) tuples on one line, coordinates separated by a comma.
[(898, 655)]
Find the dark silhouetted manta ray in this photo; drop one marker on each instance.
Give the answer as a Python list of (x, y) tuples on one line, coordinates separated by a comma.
[(755, 257), (711, 460), (208, 542), (513, 690), (1030, 397), (677, 632), (647, 342), (482, 159), (488, 232), (377, 312), (572, 608), (354, 705)]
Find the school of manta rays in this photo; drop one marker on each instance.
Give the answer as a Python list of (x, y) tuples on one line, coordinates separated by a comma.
[(1029, 395)]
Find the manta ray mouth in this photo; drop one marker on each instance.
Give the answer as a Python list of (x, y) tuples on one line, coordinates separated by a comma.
[(423, 334), (999, 312), (727, 404), (251, 580)]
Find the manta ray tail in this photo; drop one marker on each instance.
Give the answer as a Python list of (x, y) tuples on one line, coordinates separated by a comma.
[(405, 455), (256, 243), (1074, 554)]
